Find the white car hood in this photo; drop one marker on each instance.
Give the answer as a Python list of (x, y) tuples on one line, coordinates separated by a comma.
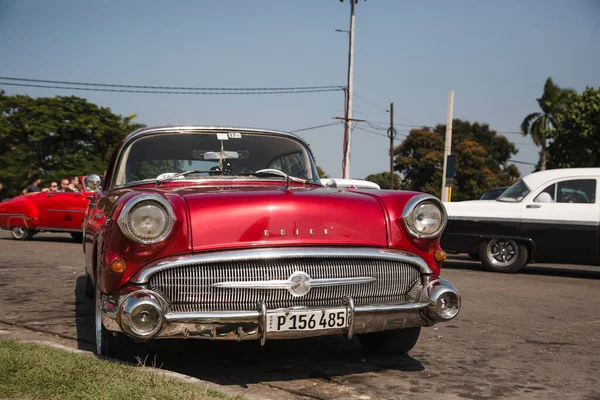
[(483, 210)]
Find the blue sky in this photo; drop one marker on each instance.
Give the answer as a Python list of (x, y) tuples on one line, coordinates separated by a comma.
[(495, 55)]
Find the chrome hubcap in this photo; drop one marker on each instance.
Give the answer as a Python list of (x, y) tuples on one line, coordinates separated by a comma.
[(18, 232), (502, 253)]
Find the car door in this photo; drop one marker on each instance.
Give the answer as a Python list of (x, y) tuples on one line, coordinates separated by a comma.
[(62, 211), (561, 216)]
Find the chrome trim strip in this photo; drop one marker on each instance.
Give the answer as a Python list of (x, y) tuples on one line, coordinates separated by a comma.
[(287, 284), (204, 129), (212, 316), (524, 220), (122, 220), (407, 214), (43, 228), (16, 215), (477, 219), (278, 253), (67, 211)]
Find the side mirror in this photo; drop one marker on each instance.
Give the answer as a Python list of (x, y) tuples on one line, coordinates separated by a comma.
[(92, 182)]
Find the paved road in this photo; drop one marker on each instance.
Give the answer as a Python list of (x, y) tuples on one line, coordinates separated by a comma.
[(533, 335)]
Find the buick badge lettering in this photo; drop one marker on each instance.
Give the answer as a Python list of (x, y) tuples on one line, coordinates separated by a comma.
[(311, 232)]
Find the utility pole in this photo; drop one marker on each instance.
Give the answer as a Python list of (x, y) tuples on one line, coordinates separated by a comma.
[(348, 116), (391, 135), (447, 144)]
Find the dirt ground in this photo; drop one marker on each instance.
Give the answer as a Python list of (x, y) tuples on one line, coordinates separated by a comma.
[(533, 335)]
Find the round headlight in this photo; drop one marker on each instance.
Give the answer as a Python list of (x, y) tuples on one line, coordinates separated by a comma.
[(147, 219), (427, 218), (424, 217)]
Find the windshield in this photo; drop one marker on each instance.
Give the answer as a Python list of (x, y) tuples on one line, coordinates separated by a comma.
[(216, 155), (516, 192)]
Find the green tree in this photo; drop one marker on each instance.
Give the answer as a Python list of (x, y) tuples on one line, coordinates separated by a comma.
[(482, 158), (539, 125), (55, 137), (576, 140), (383, 180), (322, 173)]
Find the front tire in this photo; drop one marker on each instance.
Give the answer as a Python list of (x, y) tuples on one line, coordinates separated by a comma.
[(20, 233), (107, 344), (399, 341), (502, 255)]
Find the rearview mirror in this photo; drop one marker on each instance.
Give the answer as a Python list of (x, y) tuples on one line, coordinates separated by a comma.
[(92, 183), (227, 155)]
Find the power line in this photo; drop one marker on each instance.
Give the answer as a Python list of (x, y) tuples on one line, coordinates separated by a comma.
[(228, 92), (377, 133), (316, 127), (521, 162), (200, 89), (383, 108)]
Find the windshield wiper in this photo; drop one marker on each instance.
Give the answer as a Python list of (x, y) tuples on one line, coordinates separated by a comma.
[(275, 172), (194, 171)]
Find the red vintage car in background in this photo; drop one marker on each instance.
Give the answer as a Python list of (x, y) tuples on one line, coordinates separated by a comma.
[(31, 213), (228, 234)]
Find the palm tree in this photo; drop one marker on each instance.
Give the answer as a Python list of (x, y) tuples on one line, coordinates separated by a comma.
[(538, 124)]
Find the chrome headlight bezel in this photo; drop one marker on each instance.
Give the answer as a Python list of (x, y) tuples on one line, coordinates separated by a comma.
[(124, 223), (408, 215)]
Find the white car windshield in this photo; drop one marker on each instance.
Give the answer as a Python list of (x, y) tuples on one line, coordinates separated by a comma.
[(515, 193), (213, 155)]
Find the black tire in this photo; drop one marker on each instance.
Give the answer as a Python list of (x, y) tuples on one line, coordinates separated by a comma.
[(474, 255), (20, 233), (89, 287), (510, 260), (399, 341), (77, 236)]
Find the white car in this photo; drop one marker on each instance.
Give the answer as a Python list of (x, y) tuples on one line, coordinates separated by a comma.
[(550, 216)]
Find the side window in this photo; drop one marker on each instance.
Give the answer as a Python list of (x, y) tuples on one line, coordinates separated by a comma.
[(577, 191), (547, 195)]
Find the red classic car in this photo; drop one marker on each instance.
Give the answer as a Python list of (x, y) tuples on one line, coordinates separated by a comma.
[(228, 234), (31, 213)]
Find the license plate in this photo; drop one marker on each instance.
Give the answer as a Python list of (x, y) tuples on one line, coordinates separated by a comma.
[(333, 318)]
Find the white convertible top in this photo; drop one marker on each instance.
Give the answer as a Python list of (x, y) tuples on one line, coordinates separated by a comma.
[(536, 179)]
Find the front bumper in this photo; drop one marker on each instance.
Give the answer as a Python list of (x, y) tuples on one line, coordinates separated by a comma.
[(439, 301)]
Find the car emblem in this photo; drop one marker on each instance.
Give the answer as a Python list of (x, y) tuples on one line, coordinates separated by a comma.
[(298, 284)]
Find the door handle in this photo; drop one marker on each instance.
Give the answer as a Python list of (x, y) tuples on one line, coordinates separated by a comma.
[(533, 206)]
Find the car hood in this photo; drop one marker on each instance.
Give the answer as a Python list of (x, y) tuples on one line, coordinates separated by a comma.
[(242, 217), (482, 209)]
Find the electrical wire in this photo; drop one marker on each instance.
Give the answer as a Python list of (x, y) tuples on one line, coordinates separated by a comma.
[(383, 108), (315, 127), (379, 134), (172, 92), (196, 89)]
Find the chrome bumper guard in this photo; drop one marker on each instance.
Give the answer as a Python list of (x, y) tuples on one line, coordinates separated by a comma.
[(439, 301)]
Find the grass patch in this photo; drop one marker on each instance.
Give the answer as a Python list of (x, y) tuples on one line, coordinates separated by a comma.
[(32, 371)]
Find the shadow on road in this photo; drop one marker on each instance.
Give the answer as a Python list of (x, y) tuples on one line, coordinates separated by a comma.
[(49, 238), (244, 363), (571, 271), (84, 316)]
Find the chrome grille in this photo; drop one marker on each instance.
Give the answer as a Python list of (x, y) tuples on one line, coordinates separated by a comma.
[(188, 287)]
